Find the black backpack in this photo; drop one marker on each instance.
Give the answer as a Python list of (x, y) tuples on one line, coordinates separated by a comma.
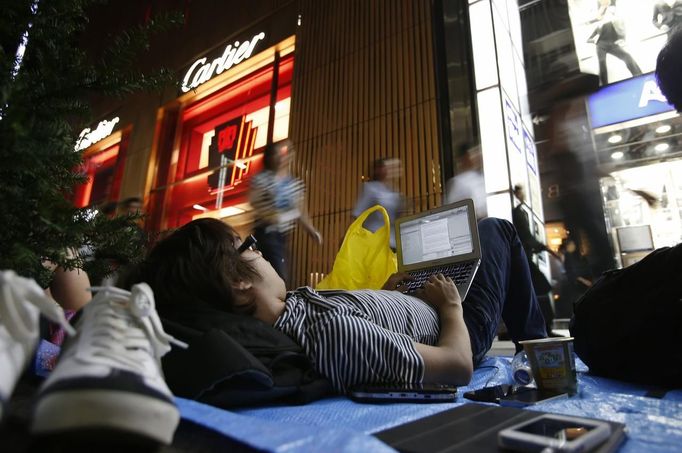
[(627, 326)]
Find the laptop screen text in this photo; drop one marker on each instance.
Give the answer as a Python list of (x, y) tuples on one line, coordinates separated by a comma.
[(441, 235)]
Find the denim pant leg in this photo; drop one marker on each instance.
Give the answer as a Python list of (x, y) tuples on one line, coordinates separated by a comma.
[(502, 289), (618, 52), (603, 70), (273, 246)]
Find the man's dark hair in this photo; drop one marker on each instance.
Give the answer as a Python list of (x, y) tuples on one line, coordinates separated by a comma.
[(464, 148), (109, 208), (130, 200), (197, 263), (378, 165), (669, 70), (272, 154)]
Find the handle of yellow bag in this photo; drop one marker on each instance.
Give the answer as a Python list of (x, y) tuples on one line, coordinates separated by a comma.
[(362, 217)]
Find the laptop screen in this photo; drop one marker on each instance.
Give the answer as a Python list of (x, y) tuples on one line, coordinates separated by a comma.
[(440, 235)]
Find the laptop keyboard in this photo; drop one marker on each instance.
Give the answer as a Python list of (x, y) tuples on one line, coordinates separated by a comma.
[(459, 273)]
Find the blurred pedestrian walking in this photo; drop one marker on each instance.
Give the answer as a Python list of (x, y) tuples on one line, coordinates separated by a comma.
[(381, 190), (468, 181), (278, 200)]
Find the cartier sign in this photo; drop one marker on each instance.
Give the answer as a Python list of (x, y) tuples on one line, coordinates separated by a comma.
[(203, 70), (88, 137)]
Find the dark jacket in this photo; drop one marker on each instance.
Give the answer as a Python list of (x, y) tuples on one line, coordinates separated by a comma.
[(530, 244), (236, 360)]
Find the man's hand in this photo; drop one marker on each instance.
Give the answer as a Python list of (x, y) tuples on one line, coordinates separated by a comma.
[(584, 281), (396, 282), (648, 197), (440, 291), (317, 236)]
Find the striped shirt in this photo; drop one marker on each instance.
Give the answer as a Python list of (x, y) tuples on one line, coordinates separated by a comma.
[(276, 200), (360, 337)]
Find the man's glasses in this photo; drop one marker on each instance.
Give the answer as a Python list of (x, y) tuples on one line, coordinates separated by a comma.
[(248, 244)]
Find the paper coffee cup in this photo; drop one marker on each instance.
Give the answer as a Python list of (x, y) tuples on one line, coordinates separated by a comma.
[(553, 363)]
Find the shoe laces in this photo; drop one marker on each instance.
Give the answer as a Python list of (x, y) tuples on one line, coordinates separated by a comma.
[(15, 293), (109, 334)]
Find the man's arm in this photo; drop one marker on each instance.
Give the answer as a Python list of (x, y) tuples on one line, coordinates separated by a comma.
[(303, 216), (307, 224), (450, 361), (69, 287)]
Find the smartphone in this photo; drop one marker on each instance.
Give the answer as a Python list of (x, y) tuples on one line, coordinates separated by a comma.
[(556, 433), (512, 395), (403, 393), (490, 394), (527, 396)]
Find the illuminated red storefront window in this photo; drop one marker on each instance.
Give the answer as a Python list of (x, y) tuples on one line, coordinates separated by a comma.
[(220, 145), (104, 170)]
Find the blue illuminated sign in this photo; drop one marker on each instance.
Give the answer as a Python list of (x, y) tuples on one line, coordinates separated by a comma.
[(627, 100)]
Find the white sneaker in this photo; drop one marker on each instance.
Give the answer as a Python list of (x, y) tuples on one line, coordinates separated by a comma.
[(21, 302), (108, 377)]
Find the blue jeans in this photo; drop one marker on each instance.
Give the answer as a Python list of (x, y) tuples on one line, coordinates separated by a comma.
[(273, 246), (502, 289)]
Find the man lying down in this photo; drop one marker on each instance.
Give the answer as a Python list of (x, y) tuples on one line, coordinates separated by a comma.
[(362, 336)]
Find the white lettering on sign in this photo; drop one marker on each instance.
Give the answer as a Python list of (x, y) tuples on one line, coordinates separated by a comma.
[(651, 92), (89, 137), (202, 71), (513, 126)]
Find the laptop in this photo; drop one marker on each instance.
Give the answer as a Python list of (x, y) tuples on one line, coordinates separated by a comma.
[(441, 240)]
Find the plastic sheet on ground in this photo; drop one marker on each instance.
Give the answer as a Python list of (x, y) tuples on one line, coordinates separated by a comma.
[(339, 424), (273, 436)]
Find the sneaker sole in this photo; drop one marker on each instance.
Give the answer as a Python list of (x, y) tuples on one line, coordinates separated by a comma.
[(140, 415)]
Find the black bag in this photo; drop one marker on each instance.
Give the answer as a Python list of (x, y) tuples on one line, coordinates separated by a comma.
[(235, 360), (627, 326)]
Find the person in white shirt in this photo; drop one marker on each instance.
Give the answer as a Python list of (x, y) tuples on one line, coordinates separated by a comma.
[(381, 190), (468, 182)]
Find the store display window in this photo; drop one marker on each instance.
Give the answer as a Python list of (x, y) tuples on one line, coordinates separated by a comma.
[(627, 211), (103, 166), (621, 39), (219, 145)]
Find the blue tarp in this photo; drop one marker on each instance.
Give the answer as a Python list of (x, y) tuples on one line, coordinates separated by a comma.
[(339, 424)]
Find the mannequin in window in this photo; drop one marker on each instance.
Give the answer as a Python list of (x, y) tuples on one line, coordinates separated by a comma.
[(667, 15), (609, 37)]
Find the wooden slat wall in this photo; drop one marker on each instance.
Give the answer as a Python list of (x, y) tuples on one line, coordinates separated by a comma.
[(364, 88)]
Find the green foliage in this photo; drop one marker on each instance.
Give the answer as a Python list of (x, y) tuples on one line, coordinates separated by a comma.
[(39, 105)]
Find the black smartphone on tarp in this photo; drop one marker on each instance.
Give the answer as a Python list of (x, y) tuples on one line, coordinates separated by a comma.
[(525, 396), (512, 395), (403, 393), (489, 394)]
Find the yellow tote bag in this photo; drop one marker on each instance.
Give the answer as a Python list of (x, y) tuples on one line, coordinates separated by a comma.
[(365, 259)]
